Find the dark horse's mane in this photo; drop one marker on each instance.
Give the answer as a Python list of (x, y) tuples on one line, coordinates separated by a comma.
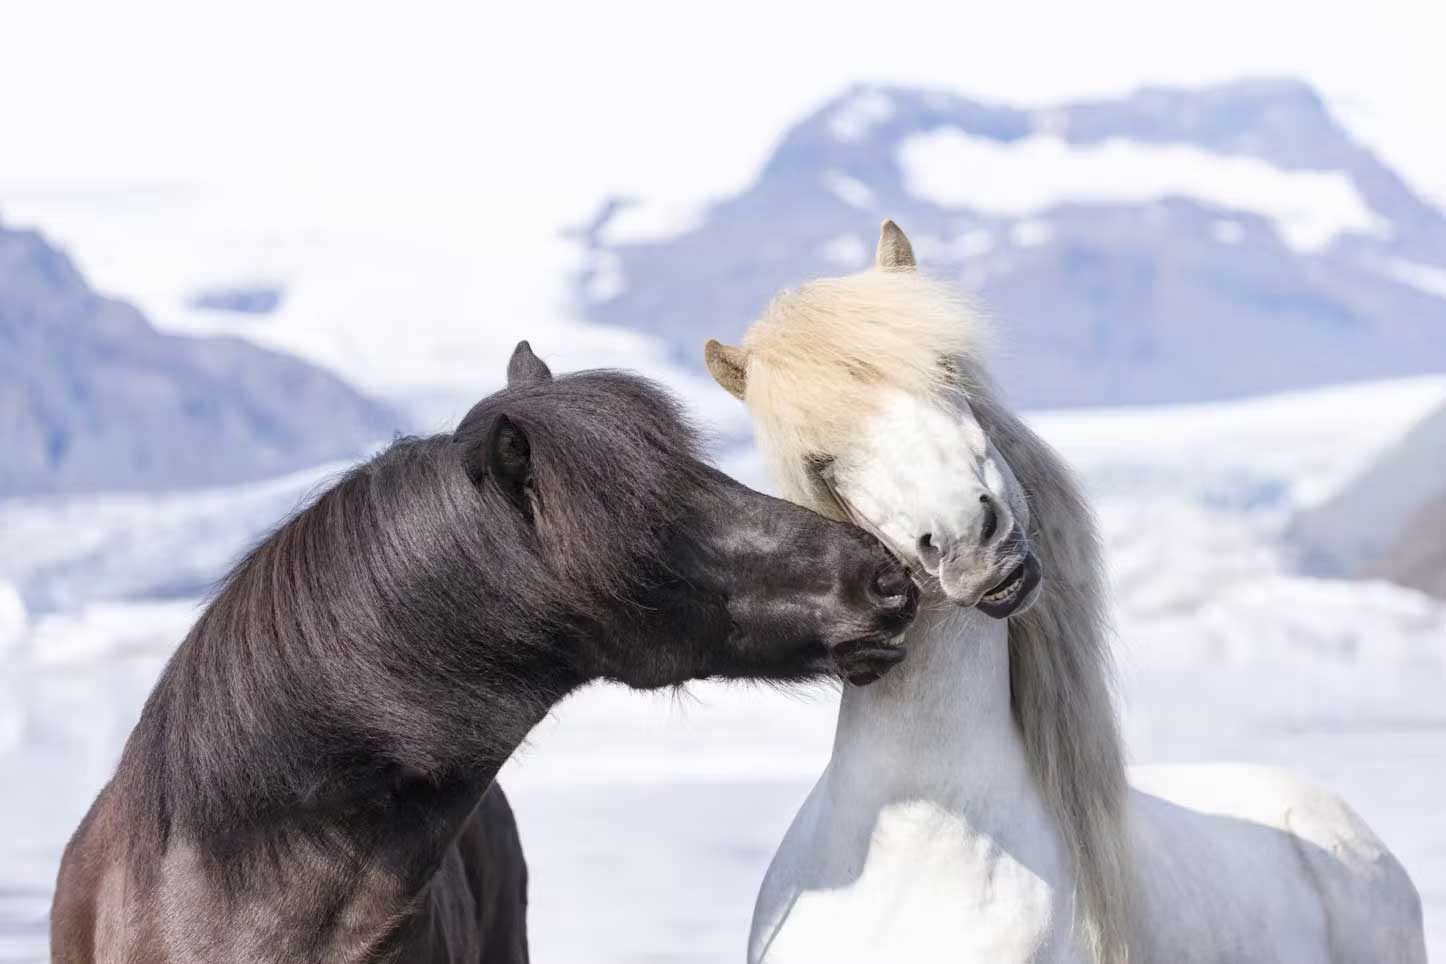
[(345, 650)]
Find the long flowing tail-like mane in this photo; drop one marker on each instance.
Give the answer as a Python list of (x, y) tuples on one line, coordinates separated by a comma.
[(347, 641), (1061, 674)]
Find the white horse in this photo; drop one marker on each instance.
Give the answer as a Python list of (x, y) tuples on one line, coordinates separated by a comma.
[(976, 807)]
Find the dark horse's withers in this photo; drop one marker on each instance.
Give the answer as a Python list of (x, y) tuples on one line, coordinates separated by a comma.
[(309, 781)]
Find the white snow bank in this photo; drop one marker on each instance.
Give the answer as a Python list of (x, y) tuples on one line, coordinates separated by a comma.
[(653, 220), (1309, 442), (12, 616), (1031, 233), (1428, 278), (850, 190), (607, 281), (858, 115), (961, 247), (1019, 178), (848, 251), (108, 630)]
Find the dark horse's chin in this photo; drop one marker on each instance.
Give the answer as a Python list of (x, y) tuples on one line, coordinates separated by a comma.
[(1016, 592), (864, 661)]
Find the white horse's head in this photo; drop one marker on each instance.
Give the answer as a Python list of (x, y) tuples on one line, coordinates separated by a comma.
[(861, 390)]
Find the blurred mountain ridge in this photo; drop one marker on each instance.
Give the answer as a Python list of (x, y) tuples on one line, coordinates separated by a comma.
[(93, 398), (1389, 521), (1171, 245)]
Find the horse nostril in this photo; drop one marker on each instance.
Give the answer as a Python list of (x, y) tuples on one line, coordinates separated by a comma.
[(927, 550), (891, 582), (991, 519)]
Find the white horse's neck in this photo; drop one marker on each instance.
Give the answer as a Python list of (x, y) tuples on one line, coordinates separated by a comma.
[(930, 769), (940, 722)]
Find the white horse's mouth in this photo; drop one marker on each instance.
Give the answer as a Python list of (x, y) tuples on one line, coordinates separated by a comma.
[(1013, 591), (1007, 589)]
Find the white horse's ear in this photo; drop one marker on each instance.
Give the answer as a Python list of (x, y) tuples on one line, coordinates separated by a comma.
[(895, 253), (728, 366)]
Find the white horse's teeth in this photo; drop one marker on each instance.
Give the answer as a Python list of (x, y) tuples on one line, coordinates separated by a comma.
[(1007, 592)]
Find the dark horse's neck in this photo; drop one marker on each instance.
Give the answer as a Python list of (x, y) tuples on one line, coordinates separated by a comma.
[(354, 688)]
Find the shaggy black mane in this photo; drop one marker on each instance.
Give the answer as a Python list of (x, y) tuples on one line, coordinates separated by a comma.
[(351, 647)]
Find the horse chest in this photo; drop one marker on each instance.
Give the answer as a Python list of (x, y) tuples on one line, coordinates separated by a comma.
[(303, 915), (917, 881)]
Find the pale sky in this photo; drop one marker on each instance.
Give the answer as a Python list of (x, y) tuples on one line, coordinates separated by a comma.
[(563, 102)]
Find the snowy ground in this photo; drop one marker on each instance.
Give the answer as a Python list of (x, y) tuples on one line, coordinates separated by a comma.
[(648, 820)]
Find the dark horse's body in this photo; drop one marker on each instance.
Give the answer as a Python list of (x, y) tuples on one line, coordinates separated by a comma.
[(309, 780), (474, 907)]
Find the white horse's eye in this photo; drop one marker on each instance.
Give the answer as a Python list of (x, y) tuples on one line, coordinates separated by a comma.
[(818, 463)]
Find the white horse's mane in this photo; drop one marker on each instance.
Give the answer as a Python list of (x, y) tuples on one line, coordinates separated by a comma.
[(814, 363)]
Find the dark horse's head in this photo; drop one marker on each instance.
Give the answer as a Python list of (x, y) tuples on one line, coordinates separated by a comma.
[(672, 570)]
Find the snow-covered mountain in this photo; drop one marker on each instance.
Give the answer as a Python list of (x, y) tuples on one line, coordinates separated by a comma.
[(92, 397), (1171, 245), (1389, 522), (1417, 556)]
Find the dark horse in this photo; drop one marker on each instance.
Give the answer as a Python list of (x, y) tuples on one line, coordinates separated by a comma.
[(309, 781)]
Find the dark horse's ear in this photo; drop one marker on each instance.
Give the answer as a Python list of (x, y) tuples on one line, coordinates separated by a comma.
[(525, 367), (506, 458)]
